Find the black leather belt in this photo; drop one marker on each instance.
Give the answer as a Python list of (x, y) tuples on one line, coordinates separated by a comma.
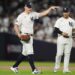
[(29, 34), (66, 36)]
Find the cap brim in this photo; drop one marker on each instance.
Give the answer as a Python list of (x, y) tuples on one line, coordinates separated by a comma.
[(29, 6)]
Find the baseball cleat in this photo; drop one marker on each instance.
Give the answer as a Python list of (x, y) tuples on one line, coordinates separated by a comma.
[(36, 71), (56, 69), (66, 71), (14, 69)]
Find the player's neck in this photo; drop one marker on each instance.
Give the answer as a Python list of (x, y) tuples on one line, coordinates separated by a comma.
[(66, 17), (26, 12)]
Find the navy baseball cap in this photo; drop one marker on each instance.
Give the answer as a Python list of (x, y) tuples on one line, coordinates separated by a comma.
[(28, 4), (66, 9)]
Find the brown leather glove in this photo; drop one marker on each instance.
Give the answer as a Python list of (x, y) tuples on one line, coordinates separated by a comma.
[(25, 37)]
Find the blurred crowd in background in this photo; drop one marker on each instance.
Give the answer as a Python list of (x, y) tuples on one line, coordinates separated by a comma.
[(43, 27)]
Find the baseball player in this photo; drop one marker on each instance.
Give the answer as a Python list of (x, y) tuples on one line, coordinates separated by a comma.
[(24, 30), (63, 27)]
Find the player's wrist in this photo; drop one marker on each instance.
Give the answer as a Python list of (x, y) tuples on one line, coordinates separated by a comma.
[(19, 35), (62, 33)]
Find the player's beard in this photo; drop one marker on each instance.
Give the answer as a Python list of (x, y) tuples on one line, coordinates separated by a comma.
[(66, 15)]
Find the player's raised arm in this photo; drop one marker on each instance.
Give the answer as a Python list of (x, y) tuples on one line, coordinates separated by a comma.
[(47, 11)]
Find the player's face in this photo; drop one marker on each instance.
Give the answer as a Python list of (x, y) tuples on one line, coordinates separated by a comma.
[(28, 10), (66, 14)]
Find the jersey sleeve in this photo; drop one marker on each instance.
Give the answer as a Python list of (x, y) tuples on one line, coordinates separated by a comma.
[(18, 20), (36, 15), (57, 24)]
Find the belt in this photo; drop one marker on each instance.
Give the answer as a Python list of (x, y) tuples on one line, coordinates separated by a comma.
[(29, 34), (66, 36)]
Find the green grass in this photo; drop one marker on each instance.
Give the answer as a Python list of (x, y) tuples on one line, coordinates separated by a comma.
[(27, 72), (7, 71)]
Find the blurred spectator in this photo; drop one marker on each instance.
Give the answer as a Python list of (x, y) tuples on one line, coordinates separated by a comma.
[(40, 35), (6, 20), (46, 21), (1, 9)]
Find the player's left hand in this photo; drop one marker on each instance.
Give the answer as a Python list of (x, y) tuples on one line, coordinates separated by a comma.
[(73, 33), (54, 7), (65, 35)]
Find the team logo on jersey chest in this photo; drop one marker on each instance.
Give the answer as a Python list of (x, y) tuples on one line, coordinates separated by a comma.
[(32, 19), (71, 24)]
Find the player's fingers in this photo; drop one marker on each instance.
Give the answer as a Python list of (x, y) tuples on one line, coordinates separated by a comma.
[(54, 7)]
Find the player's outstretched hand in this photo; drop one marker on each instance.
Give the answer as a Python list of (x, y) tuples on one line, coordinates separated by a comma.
[(54, 7)]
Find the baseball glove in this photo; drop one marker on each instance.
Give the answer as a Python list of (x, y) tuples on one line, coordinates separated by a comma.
[(25, 38)]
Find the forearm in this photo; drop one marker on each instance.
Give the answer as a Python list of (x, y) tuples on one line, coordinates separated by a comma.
[(73, 32), (16, 28), (45, 12), (48, 10), (57, 31)]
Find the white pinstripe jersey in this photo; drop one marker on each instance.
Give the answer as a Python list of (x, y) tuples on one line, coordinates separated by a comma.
[(65, 25), (26, 22)]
